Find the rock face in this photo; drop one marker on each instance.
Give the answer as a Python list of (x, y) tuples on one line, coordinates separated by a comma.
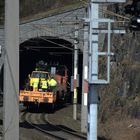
[(124, 88), (120, 100)]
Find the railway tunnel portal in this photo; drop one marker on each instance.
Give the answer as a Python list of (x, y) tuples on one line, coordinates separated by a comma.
[(51, 50)]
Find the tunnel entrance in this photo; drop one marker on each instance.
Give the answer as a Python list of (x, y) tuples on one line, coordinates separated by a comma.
[(51, 50)]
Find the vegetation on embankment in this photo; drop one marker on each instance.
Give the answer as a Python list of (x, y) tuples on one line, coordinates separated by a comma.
[(38, 8), (119, 109)]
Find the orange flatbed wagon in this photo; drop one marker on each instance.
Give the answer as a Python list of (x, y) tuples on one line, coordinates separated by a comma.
[(37, 97)]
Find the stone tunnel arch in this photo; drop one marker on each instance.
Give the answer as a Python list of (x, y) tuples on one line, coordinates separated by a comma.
[(48, 49)]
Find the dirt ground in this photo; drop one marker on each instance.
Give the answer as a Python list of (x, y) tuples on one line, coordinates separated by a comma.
[(125, 129), (64, 118)]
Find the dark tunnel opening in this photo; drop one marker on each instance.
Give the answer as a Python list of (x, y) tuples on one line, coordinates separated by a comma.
[(51, 50)]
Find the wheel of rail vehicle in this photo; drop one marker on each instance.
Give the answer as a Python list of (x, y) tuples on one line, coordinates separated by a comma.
[(51, 107), (28, 107)]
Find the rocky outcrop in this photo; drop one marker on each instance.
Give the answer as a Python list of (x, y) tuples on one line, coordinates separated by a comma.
[(121, 98)]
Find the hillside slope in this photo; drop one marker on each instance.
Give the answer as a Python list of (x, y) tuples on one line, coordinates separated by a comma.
[(119, 111), (37, 8)]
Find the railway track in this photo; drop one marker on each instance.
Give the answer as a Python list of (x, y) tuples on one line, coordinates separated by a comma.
[(39, 122)]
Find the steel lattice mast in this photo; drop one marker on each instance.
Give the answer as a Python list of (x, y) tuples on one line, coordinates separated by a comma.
[(94, 54)]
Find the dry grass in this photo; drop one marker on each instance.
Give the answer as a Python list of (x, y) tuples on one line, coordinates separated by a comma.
[(121, 130)]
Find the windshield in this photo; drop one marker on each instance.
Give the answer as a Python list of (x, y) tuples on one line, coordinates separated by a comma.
[(43, 75), (35, 75), (39, 75)]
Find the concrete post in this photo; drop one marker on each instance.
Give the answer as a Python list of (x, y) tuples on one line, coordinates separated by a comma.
[(11, 71), (85, 82), (75, 73)]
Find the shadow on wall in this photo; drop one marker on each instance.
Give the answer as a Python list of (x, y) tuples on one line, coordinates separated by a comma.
[(1, 80)]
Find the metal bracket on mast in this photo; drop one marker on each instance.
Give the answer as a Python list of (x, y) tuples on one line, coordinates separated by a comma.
[(103, 30), (107, 54)]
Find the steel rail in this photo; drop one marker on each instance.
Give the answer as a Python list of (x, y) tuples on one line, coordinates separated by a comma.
[(58, 133), (26, 117), (63, 129)]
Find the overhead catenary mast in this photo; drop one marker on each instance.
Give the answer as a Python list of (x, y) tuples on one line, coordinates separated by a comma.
[(94, 54)]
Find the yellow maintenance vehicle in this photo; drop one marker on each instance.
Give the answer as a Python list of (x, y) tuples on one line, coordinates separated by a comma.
[(36, 95), (38, 89)]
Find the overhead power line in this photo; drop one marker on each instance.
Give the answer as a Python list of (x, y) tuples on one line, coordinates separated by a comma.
[(58, 35), (107, 11), (56, 43)]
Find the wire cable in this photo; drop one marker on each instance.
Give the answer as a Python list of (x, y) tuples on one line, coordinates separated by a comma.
[(59, 35), (71, 12), (58, 43), (107, 11)]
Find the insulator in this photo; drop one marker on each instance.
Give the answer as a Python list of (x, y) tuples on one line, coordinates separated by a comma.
[(134, 23)]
